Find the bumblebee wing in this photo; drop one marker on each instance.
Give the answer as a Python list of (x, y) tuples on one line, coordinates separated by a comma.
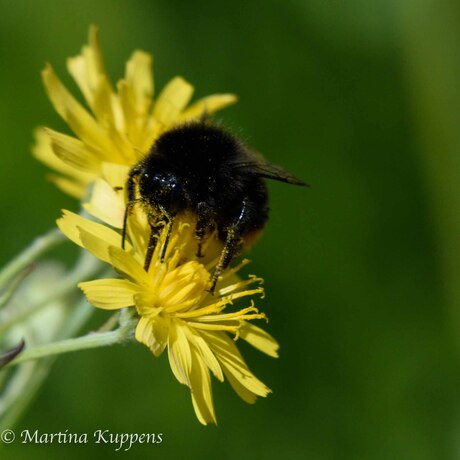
[(263, 168)]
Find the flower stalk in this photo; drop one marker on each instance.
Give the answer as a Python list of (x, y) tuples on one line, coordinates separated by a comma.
[(124, 332)]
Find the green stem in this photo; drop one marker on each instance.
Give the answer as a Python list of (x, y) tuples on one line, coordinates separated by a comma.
[(94, 340), (38, 247)]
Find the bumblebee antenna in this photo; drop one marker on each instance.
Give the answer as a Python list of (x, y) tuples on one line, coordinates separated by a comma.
[(128, 208)]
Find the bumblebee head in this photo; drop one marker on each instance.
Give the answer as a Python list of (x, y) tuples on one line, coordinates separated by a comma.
[(162, 191)]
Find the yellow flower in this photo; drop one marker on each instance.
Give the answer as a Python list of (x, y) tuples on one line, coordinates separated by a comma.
[(172, 300), (175, 309), (123, 122)]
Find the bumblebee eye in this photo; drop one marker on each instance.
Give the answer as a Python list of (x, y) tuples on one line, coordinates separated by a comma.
[(162, 191)]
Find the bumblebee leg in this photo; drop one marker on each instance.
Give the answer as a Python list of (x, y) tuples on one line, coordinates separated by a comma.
[(131, 191), (168, 236), (232, 246), (234, 241), (202, 224), (155, 230), (153, 239)]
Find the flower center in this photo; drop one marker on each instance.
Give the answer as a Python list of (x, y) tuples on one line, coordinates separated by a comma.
[(183, 288)]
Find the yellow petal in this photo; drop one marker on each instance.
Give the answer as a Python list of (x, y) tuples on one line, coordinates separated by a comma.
[(230, 326), (153, 332), (96, 238), (73, 152), (171, 101), (207, 106), (143, 333), (103, 106), (42, 151), (191, 290), (232, 362), (202, 391), (135, 96), (123, 151), (206, 354), (115, 174), (110, 115), (139, 233), (139, 80), (240, 389), (179, 353), (186, 282), (71, 187), (77, 67), (79, 120), (238, 315), (105, 204), (88, 67), (259, 339), (126, 264), (70, 224), (77, 181), (196, 313), (110, 294), (146, 304)]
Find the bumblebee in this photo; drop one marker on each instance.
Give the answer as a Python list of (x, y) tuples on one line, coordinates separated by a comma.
[(201, 168)]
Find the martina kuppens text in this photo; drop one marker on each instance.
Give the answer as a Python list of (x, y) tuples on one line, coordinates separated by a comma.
[(121, 441)]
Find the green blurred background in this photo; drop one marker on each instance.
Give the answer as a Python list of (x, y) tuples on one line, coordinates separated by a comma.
[(359, 98)]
